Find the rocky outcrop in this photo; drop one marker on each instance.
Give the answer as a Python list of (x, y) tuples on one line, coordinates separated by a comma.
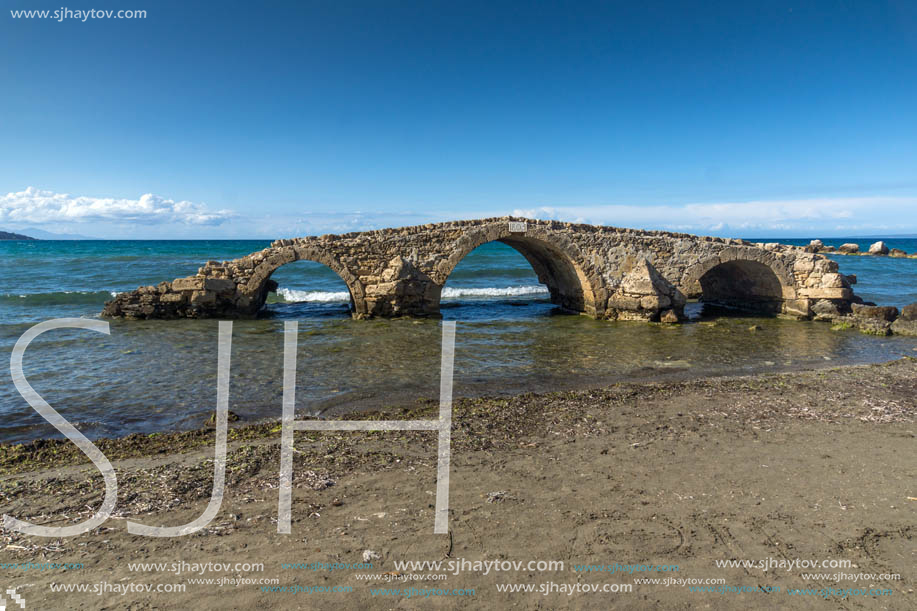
[(871, 319), (879, 248)]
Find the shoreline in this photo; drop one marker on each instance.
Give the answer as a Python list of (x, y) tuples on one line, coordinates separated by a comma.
[(813, 464), (867, 322), (133, 445)]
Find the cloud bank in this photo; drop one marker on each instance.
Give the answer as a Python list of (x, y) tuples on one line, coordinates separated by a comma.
[(801, 215), (39, 206)]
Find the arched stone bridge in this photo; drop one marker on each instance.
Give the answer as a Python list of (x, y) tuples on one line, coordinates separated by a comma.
[(605, 272)]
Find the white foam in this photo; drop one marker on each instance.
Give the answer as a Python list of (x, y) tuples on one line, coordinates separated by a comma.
[(293, 295), (509, 291)]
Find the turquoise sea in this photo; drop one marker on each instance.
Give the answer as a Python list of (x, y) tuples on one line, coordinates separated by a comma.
[(160, 375)]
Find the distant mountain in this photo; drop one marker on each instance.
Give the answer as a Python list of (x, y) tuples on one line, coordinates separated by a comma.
[(5, 235), (41, 234)]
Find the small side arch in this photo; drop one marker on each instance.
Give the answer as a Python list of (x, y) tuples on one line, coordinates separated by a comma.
[(741, 278), (260, 284), (556, 260)]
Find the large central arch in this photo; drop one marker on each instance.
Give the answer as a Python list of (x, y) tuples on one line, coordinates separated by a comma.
[(260, 283), (556, 260)]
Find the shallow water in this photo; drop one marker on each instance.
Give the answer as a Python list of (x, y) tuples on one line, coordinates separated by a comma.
[(160, 375)]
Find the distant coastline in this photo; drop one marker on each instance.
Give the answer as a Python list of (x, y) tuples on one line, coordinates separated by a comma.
[(5, 235)]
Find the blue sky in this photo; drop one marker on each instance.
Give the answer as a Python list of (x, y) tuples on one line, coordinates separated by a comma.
[(264, 120)]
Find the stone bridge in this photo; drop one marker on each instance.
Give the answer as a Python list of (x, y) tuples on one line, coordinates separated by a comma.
[(605, 272)]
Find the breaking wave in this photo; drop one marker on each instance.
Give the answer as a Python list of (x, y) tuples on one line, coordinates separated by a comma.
[(293, 295), (510, 291), (57, 298)]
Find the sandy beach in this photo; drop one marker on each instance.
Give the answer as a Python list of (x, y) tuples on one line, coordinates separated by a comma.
[(663, 480)]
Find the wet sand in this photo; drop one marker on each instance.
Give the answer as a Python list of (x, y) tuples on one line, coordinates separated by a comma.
[(810, 465)]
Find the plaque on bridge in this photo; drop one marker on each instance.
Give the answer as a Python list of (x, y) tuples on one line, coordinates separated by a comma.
[(516, 227)]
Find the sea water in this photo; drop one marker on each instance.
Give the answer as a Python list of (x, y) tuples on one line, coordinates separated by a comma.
[(151, 376)]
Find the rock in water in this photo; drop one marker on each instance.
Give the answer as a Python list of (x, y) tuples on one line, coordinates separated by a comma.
[(669, 317), (888, 313), (879, 248), (906, 324), (826, 310), (850, 249), (874, 319), (814, 246), (897, 252)]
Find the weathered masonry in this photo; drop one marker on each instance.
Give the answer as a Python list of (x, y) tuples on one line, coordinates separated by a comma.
[(605, 272)]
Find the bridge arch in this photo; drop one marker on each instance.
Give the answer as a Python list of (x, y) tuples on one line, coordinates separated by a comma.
[(741, 278), (260, 283), (556, 260)]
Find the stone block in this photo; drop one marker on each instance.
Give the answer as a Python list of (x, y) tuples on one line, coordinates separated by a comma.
[(655, 302), (825, 310), (623, 302), (823, 293), (188, 284), (172, 298), (381, 289), (203, 298), (832, 281), (219, 284), (797, 308)]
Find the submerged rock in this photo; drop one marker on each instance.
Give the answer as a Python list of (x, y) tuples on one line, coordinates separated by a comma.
[(230, 417), (669, 316), (906, 323), (875, 320)]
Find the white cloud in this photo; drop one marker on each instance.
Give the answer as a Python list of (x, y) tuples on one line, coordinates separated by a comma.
[(39, 206)]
